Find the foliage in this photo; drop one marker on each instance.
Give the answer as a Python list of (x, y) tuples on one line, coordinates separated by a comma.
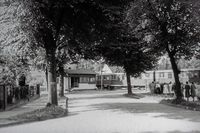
[(126, 45), (174, 27), (41, 114), (13, 67), (56, 25)]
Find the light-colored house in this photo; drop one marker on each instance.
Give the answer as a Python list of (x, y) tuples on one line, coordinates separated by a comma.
[(110, 74), (110, 77), (79, 79)]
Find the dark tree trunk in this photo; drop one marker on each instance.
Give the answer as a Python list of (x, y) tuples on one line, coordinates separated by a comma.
[(52, 86), (154, 76), (176, 72), (46, 73), (61, 71), (129, 87)]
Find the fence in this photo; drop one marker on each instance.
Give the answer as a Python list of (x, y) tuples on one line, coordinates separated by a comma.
[(10, 95)]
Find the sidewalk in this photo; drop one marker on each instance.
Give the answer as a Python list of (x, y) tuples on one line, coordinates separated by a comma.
[(31, 106)]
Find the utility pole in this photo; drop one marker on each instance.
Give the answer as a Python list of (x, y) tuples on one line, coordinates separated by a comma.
[(101, 81), (102, 77)]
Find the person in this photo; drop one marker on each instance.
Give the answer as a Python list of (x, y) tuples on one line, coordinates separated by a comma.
[(174, 89), (170, 87), (165, 89), (193, 90), (187, 91), (161, 88), (182, 89), (157, 90), (151, 87)]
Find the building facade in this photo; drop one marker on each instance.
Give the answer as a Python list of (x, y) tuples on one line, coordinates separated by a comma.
[(80, 79)]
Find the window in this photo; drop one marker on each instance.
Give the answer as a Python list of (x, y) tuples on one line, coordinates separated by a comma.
[(123, 77), (114, 77), (161, 74), (92, 79), (75, 81), (169, 75), (84, 79), (99, 77), (106, 77)]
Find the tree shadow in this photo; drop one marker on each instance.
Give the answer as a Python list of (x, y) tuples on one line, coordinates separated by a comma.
[(107, 96), (160, 110), (176, 131)]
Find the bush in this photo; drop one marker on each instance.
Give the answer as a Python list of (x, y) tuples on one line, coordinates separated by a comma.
[(41, 114)]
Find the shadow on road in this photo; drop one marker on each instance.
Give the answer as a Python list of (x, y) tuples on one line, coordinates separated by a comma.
[(159, 109), (98, 97), (176, 131)]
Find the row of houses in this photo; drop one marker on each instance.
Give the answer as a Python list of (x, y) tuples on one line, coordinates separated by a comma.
[(113, 77)]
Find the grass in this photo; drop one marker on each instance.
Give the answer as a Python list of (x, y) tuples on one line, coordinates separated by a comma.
[(182, 104), (41, 114), (159, 95)]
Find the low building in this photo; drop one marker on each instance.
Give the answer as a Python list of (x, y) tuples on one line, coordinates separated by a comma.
[(80, 79), (115, 76), (110, 77)]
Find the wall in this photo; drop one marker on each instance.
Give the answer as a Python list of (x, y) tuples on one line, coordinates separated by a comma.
[(162, 76), (85, 86)]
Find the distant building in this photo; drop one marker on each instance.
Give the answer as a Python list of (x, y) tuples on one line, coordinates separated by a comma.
[(110, 77), (115, 76), (79, 79)]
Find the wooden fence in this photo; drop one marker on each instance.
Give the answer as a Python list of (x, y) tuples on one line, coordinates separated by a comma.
[(10, 95)]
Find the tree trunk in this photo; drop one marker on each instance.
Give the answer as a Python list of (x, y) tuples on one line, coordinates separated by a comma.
[(52, 87), (154, 76), (128, 77), (46, 73), (176, 72), (61, 91)]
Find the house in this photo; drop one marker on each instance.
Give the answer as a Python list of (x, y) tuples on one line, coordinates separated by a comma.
[(79, 79), (110, 77), (115, 76)]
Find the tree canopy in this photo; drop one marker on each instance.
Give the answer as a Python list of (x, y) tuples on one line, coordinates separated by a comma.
[(54, 25), (174, 30)]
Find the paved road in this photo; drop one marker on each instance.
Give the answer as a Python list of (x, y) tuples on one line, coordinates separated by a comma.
[(111, 112)]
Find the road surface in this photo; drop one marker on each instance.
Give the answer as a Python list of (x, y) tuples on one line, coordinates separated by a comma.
[(111, 112)]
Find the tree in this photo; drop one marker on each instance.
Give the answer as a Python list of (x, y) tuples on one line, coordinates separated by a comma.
[(173, 29), (51, 25), (65, 56), (126, 46)]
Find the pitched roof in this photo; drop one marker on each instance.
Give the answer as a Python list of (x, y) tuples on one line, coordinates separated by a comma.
[(111, 69), (80, 71)]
